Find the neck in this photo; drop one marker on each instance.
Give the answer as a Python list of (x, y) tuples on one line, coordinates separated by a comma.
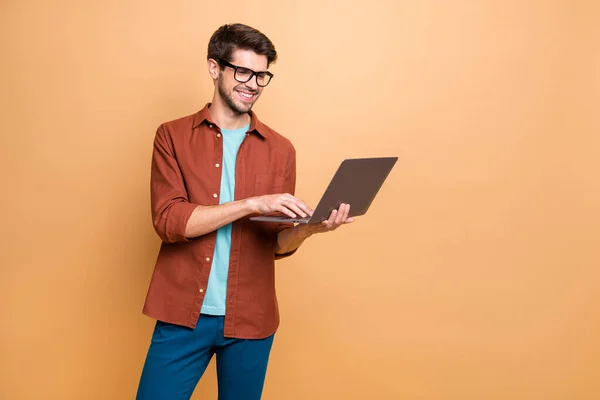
[(225, 117)]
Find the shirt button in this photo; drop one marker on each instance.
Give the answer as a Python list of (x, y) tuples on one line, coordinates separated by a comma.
[(210, 125), (201, 290), (217, 165), (218, 135), (207, 259), (215, 195)]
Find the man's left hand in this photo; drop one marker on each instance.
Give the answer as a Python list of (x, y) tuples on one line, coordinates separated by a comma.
[(336, 219), (290, 239)]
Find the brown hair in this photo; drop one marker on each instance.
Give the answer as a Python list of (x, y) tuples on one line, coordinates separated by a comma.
[(231, 37)]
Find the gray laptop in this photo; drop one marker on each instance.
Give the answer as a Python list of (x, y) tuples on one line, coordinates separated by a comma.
[(356, 182)]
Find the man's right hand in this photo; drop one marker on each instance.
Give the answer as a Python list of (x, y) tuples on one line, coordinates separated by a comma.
[(283, 203)]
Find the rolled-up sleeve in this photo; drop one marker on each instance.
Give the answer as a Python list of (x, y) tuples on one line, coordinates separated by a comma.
[(289, 187), (170, 205)]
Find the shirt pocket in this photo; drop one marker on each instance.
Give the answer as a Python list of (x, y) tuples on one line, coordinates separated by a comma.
[(268, 184)]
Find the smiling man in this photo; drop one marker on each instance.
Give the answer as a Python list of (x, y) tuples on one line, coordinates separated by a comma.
[(213, 287)]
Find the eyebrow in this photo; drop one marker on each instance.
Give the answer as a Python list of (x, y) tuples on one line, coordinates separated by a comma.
[(248, 68)]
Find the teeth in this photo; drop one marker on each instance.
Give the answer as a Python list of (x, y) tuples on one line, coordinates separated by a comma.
[(246, 95)]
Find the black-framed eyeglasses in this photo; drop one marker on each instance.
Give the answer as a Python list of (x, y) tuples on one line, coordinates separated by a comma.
[(243, 74)]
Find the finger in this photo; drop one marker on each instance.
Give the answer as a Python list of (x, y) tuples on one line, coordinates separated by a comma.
[(339, 219), (306, 208), (292, 203), (347, 213), (332, 216), (283, 209), (300, 203), (331, 219), (286, 200), (294, 207), (350, 220)]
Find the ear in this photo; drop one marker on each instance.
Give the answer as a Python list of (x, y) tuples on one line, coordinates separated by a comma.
[(213, 69)]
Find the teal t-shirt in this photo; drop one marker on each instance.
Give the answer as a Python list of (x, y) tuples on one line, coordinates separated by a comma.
[(214, 301)]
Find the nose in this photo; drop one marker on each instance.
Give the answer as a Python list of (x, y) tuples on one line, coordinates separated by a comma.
[(252, 83)]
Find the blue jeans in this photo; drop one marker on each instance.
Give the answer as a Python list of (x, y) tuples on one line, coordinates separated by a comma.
[(178, 356)]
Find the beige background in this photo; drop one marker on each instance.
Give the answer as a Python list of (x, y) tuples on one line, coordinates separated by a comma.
[(475, 274)]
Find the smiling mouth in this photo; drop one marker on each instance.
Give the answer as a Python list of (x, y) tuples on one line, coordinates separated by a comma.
[(246, 96)]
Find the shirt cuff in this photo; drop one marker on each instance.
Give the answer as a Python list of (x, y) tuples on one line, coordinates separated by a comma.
[(179, 215)]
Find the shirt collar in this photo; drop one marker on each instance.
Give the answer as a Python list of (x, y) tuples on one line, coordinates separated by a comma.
[(203, 116)]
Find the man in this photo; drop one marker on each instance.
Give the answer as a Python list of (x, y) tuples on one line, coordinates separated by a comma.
[(212, 290)]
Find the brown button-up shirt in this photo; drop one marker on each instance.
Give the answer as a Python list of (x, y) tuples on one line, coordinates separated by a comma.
[(185, 173)]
